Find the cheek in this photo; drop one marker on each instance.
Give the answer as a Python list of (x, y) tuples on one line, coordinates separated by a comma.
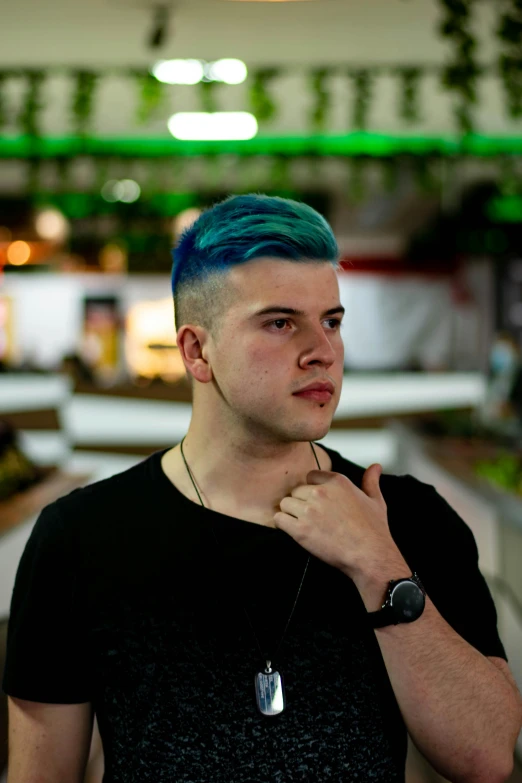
[(260, 355), (258, 367), (265, 364)]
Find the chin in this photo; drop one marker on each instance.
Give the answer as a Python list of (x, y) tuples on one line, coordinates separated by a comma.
[(310, 432)]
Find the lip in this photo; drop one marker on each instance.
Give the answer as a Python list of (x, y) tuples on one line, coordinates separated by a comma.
[(315, 394), (325, 386)]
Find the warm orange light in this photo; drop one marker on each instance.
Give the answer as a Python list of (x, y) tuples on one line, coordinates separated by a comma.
[(150, 341), (18, 253)]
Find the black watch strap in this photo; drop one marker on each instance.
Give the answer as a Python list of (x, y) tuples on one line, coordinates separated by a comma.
[(383, 617), (386, 615)]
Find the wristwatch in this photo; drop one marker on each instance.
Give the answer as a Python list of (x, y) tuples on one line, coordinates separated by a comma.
[(404, 603)]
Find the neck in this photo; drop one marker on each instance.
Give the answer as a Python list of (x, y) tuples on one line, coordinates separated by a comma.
[(242, 478)]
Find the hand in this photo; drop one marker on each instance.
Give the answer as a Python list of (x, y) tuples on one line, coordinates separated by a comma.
[(337, 522)]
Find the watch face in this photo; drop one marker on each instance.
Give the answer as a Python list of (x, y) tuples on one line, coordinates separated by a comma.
[(407, 599)]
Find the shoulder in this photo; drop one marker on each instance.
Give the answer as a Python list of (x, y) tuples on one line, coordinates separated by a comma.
[(419, 517), (92, 504), (433, 538)]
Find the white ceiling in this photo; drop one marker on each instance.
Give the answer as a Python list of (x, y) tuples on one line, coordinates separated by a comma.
[(101, 33), (317, 31)]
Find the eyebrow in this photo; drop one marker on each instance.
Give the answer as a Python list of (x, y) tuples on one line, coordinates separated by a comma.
[(276, 309)]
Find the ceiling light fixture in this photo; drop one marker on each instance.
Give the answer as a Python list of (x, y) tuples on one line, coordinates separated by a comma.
[(179, 71), (213, 126), (228, 70)]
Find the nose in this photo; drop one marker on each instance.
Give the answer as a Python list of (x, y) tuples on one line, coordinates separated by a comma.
[(319, 349)]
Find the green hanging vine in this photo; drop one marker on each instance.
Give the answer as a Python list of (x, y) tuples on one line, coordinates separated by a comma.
[(262, 105), (213, 171), (460, 75), (509, 177), (389, 170), (63, 170), (409, 98), (509, 32), (362, 79), (28, 119), (207, 94), (356, 169), (34, 168), (424, 174), (3, 105), (318, 80), (280, 172), (83, 100), (151, 96)]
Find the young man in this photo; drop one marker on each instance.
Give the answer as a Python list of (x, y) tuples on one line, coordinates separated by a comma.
[(218, 606)]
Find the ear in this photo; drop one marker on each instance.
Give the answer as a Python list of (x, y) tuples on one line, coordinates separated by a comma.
[(192, 346)]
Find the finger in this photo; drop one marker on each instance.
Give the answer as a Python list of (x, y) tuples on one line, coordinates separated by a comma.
[(292, 506), (320, 476), (284, 521), (371, 480), (302, 491)]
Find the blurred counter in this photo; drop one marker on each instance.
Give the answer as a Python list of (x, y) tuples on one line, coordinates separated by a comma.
[(56, 417), (493, 514)]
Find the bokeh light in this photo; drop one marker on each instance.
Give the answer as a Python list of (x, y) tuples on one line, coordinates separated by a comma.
[(179, 71), (18, 253), (230, 71), (51, 224), (213, 126)]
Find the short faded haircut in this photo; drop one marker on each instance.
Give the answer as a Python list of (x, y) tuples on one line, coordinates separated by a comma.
[(235, 231)]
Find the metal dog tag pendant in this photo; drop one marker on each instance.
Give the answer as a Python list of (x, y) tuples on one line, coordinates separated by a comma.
[(270, 691)]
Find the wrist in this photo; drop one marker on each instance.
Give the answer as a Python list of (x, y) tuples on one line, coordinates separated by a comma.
[(372, 582)]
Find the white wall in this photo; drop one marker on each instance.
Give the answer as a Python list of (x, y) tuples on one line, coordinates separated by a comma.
[(48, 310), (381, 330)]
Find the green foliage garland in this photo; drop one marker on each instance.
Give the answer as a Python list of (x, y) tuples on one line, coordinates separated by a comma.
[(389, 171), (207, 93), (424, 173), (83, 103), (409, 109), (34, 168), (3, 107), (280, 172), (151, 97), (363, 82), (63, 171), (509, 32), (29, 115), (318, 80), (262, 105), (461, 74), (357, 185)]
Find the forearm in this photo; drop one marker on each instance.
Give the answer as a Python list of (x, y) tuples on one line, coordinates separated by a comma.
[(458, 707)]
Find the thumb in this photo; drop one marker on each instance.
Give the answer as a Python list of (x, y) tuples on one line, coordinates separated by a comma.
[(370, 482)]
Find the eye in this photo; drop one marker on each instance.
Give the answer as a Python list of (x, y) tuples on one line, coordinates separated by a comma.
[(279, 321), (336, 322)]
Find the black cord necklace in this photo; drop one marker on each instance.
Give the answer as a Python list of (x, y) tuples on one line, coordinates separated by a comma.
[(269, 685)]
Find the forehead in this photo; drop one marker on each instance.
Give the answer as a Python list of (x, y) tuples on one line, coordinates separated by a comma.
[(272, 277)]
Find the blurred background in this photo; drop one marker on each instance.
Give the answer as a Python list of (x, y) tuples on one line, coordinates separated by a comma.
[(399, 120)]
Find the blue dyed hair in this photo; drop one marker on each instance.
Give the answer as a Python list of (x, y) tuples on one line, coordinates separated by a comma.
[(243, 228)]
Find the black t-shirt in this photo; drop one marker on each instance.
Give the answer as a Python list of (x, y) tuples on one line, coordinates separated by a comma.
[(123, 599)]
